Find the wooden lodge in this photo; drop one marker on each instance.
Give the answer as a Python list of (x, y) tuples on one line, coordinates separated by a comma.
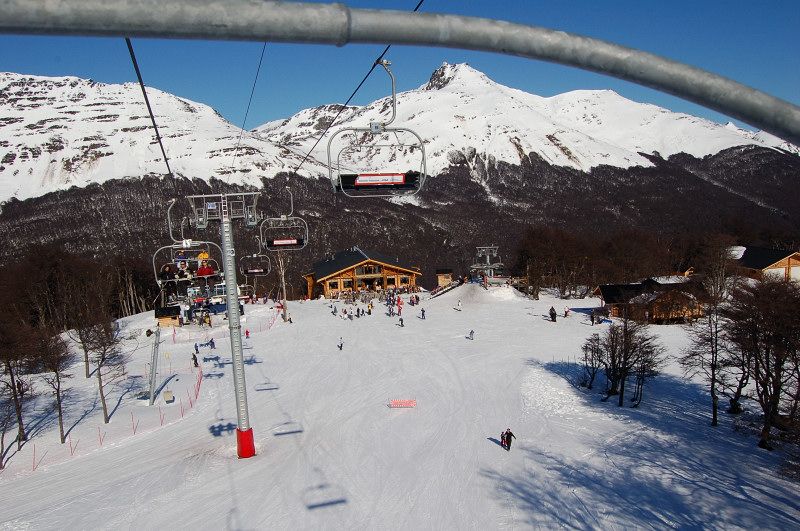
[(354, 271), (444, 277), (771, 263), (654, 300)]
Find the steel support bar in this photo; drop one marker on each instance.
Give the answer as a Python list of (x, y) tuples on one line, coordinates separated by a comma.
[(154, 364), (259, 20), (244, 435)]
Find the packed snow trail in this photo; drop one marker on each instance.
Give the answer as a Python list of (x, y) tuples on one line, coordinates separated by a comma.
[(332, 455)]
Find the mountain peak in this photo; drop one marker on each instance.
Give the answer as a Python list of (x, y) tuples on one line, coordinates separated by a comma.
[(448, 73)]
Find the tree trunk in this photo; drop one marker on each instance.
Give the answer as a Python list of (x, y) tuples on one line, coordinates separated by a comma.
[(714, 397), (102, 393), (621, 392), (60, 409), (86, 360), (21, 436)]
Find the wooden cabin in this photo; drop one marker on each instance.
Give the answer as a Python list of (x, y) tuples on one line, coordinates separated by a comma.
[(771, 263), (354, 271), (654, 300), (444, 277)]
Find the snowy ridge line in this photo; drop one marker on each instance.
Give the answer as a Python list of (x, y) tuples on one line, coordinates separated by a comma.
[(63, 131)]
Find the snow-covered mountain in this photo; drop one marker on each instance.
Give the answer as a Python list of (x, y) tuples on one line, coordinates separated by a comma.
[(60, 132)]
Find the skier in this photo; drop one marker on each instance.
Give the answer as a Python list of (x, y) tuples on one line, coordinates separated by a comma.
[(401, 323), (552, 314), (247, 333), (459, 305), (423, 314), (341, 344), (566, 311), (196, 349), (211, 344), (503, 439), (509, 436), (591, 317), (194, 359), (472, 334)]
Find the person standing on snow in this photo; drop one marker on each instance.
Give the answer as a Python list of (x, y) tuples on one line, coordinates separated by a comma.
[(423, 314), (509, 436), (552, 314), (341, 344), (194, 359), (472, 334), (459, 305)]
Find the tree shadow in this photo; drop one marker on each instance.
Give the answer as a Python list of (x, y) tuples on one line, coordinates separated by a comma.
[(665, 467)]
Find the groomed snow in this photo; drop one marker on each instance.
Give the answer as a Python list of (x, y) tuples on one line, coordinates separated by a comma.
[(332, 455)]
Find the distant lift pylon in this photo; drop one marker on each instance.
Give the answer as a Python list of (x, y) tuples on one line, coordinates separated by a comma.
[(375, 142)]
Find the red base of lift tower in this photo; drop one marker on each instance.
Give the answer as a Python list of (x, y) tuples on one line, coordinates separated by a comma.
[(245, 445)]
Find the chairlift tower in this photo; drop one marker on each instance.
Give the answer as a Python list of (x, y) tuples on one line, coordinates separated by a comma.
[(487, 265), (225, 208)]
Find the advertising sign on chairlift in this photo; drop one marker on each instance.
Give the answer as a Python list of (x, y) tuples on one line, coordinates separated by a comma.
[(284, 242), (378, 179)]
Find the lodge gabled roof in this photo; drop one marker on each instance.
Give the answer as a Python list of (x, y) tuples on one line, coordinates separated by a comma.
[(761, 257), (620, 293), (352, 257)]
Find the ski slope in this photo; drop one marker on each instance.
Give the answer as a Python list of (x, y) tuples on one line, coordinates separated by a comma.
[(332, 455)]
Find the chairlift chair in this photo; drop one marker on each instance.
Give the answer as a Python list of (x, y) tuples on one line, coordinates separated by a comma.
[(375, 139), (284, 233)]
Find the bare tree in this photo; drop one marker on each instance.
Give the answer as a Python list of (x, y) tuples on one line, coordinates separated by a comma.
[(6, 421), (56, 358), (108, 358), (12, 353), (628, 349), (704, 355), (592, 355), (764, 323)]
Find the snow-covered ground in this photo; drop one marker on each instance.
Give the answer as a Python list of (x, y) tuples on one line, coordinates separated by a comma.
[(332, 455)]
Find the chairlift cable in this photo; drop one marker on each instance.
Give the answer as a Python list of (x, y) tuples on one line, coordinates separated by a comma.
[(149, 109), (247, 111), (344, 106)]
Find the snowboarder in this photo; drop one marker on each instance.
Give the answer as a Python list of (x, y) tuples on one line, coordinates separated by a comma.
[(194, 359), (509, 436), (341, 344), (552, 314), (472, 334), (423, 314)]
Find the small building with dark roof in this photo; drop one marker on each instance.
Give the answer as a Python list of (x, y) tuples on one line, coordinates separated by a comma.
[(354, 270), (772, 263), (654, 300), (444, 277)]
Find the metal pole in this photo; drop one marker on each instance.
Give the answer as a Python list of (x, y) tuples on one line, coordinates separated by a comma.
[(244, 433), (337, 24)]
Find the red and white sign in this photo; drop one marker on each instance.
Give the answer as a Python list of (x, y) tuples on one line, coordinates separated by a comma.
[(378, 179), (286, 241), (402, 403)]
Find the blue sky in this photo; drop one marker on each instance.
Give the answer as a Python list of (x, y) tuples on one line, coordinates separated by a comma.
[(755, 43)]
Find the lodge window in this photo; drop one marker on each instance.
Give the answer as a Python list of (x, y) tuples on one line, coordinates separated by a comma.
[(390, 281), (333, 284), (347, 284), (403, 281), (368, 270)]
